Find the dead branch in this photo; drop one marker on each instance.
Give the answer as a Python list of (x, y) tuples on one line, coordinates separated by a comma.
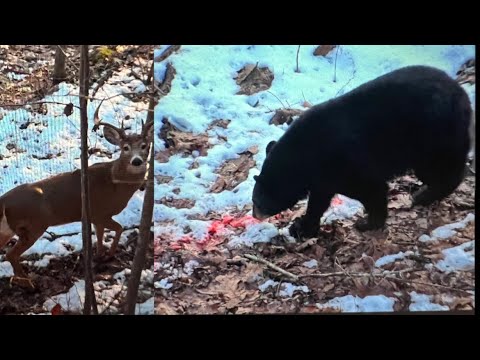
[(107, 75), (277, 98), (298, 50), (272, 266), (429, 284), (165, 54), (166, 85), (36, 103), (344, 273)]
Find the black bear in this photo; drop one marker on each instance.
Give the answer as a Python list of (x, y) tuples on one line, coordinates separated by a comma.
[(414, 118)]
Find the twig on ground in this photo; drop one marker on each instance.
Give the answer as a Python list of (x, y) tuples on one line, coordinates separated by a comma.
[(298, 50), (272, 266), (429, 284), (277, 98)]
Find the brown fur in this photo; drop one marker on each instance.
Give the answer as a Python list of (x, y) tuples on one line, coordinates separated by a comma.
[(30, 209)]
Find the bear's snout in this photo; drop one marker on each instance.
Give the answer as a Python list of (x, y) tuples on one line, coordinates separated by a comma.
[(257, 214)]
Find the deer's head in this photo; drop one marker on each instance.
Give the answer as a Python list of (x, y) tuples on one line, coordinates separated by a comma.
[(135, 147)]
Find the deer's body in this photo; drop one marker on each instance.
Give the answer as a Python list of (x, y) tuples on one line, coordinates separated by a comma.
[(51, 202), (30, 209)]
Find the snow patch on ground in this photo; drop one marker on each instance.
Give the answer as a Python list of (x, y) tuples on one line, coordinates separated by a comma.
[(349, 303), (447, 231), (422, 302)]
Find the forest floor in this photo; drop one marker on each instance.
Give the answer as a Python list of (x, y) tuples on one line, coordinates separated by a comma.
[(220, 107), (41, 140)]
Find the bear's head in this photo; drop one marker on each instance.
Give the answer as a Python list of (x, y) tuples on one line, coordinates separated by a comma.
[(274, 189)]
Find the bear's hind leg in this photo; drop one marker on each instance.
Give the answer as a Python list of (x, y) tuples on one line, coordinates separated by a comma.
[(438, 184)]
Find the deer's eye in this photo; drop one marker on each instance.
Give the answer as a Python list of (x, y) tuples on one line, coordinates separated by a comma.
[(126, 148), (144, 146)]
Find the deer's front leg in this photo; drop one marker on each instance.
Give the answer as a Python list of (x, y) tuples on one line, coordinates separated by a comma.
[(99, 230), (115, 226), (26, 238)]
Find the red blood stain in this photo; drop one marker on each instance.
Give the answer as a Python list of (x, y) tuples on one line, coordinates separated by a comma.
[(336, 201), (215, 230), (57, 310)]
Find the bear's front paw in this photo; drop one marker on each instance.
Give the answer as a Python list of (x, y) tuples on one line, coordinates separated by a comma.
[(369, 224), (299, 229)]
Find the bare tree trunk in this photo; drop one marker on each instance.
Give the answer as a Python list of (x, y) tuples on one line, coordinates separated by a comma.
[(150, 75), (144, 233), (59, 71), (90, 302)]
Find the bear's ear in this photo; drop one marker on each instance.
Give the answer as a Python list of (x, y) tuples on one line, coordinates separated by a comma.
[(270, 146), (255, 177)]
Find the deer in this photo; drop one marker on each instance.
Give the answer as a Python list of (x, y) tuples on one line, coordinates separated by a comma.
[(28, 210)]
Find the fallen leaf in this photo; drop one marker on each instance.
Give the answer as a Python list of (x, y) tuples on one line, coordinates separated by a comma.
[(68, 110), (328, 287), (282, 116), (323, 50), (180, 142), (176, 203), (223, 123), (400, 201), (306, 104), (165, 309), (253, 79), (162, 179), (234, 171)]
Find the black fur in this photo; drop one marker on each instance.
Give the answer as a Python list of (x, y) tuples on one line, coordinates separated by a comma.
[(415, 118)]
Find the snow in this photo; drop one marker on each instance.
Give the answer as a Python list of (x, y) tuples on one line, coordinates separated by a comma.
[(447, 231), (345, 210), (311, 264), (204, 90), (387, 259), (58, 135), (422, 302), (190, 267), (145, 308), (121, 276), (256, 233), (55, 134), (107, 298), (460, 257), (44, 262), (269, 283), (349, 303), (73, 300), (163, 284), (287, 289), (6, 269)]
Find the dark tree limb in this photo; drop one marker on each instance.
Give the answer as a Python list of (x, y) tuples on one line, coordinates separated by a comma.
[(169, 51), (90, 301), (144, 233)]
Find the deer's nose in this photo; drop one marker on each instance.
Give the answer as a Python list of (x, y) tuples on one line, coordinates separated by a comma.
[(137, 162)]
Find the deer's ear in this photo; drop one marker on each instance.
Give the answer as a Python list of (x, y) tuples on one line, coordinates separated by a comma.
[(111, 135), (150, 134)]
